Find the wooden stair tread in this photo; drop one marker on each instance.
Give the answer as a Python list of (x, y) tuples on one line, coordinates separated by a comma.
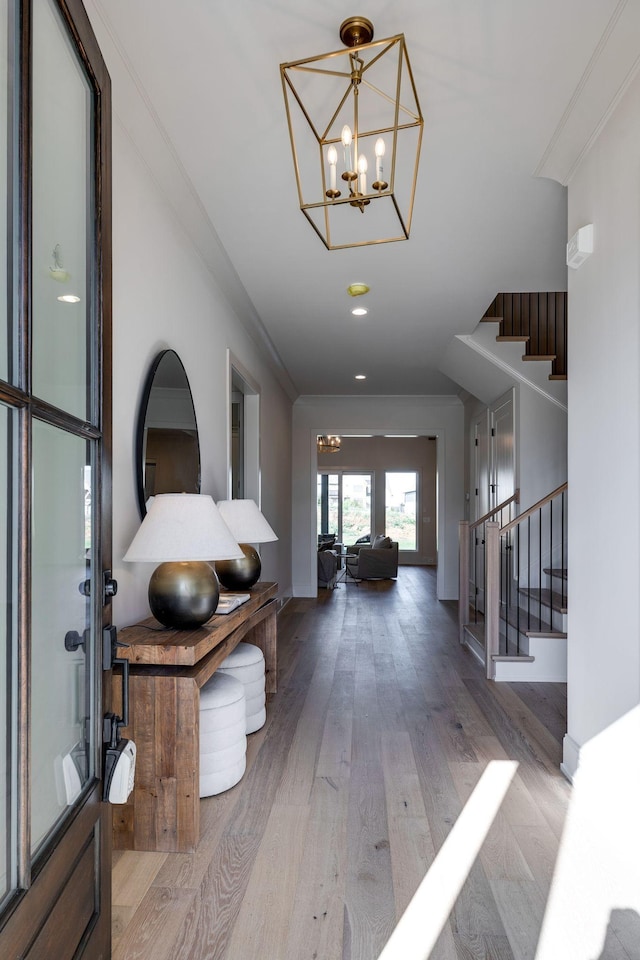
[(550, 598), (522, 339), (561, 572), (476, 630), (557, 376), (515, 658), (518, 619), (539, 356), (513, 616), (547, 635)]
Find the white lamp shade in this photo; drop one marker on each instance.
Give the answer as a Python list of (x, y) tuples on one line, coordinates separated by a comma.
[(183, 526), (245, 521)]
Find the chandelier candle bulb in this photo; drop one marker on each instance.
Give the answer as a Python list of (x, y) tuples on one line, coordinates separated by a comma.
[(346, 143), (362, 170), (332, 157), (380, 148)]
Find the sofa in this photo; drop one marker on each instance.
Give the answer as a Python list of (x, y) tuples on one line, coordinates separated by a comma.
[(327, 561), (377, 560)]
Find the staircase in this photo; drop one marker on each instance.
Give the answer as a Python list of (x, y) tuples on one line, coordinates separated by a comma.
[(521, 339), (539, 322), (513, 590)]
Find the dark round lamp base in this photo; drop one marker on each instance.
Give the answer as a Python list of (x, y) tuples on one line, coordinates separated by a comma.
[(183, 594), (240, 574)]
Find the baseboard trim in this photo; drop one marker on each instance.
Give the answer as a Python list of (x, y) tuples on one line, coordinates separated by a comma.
[(570, 757)]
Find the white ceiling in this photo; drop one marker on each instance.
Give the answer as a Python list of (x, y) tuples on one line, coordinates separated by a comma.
[(494, 78)]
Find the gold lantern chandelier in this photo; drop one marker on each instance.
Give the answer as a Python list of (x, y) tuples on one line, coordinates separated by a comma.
[(328, 444), (349, 113)]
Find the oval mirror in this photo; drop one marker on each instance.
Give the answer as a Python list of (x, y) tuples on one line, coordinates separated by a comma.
[(167, 447)]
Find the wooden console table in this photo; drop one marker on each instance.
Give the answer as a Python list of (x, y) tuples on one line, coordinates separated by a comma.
[(167, 670)]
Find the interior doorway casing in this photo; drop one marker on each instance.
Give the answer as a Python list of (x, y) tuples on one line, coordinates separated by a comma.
[(243, 394), (439, 435)]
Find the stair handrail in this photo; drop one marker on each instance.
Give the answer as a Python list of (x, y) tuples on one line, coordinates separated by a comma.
[(465, 528), (493, 534), (514, 498), (537, 506)]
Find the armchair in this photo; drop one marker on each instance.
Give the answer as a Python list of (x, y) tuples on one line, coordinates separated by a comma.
[(327, 569), (378, 561)]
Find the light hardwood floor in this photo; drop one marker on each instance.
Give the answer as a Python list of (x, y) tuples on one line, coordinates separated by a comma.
[(380, 731)]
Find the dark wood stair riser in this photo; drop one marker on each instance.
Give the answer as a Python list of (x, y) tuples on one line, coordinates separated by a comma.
[(540, 317)]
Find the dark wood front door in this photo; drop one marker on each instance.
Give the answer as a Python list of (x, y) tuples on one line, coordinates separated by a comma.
[(55, 482)]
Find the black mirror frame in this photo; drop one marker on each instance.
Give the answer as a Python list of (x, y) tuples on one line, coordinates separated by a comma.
[(142, 417)]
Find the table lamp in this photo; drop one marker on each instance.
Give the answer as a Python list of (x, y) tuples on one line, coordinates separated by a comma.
[(248, 526), (182, 531)]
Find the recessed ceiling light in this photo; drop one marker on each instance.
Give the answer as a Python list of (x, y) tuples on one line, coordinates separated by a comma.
[(400, 436), (69, 298), (359, 311), (360, 376)]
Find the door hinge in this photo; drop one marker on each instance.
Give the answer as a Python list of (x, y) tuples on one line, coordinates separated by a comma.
[(493, 431), (476, 441)]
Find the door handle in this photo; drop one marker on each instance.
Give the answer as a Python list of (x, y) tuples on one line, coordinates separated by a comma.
[(124, 663), (110, 644), (73, 640)]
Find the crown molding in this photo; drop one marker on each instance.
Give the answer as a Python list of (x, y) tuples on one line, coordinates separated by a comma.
[(611, 69), (401, 399)]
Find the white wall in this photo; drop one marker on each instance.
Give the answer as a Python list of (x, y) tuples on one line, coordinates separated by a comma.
[(604, 436), (173, 287), (541, 445), (435, 416), (540, 428)]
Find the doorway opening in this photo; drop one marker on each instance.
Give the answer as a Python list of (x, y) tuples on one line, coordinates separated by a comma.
[(244, 435)]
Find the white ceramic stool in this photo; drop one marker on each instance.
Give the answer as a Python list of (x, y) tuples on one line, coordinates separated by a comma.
[(223, 741), (246, 664)]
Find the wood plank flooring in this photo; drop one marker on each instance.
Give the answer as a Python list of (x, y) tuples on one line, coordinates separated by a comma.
[(381, 730)]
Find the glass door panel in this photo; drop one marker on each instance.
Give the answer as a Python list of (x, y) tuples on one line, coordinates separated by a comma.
[(55, 207), (329, 503), (62, 758), (344, 505), (5, 87), (7, 703), (401, 496), (62, 201), (356, 506)]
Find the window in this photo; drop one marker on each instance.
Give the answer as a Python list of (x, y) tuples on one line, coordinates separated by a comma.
[(401, 498), (344, 505)]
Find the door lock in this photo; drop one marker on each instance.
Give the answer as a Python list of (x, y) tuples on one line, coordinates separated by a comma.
[(109, 586)]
